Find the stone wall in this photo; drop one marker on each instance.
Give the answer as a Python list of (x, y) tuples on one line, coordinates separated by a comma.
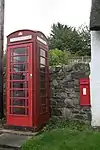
[(66, 93), (83, 59)]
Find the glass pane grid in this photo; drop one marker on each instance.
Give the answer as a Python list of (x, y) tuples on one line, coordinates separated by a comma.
[(44, 57), (41, 65), (15, 55), (18, 111), (18, 63), (19, 93), (19, 50), (18, 67), (18, 89), (18, 106), (43, 100), (42, 60), (19, 81), (18, 76), (43, 80), (43, 109), (42, 52), (42, 84), (18, 102), (19, 84), (19, 59)]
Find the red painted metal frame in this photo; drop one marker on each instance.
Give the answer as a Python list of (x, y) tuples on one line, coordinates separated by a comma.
[(43, 117), (15, 119), (36, 118)]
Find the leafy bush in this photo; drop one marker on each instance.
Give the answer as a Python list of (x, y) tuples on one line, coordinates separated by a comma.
[(55, 123), (69, 38), (58, 57)]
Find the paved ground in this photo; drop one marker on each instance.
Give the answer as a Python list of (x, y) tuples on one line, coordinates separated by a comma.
[(12, 141), (1, 148), (6, 149)]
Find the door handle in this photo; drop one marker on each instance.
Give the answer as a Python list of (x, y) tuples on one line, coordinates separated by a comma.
[(30, 74)]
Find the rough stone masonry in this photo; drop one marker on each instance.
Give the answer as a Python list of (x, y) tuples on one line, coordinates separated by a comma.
[(65, 100)]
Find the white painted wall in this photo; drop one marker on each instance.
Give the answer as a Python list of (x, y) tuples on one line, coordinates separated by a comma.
[(95, 78)]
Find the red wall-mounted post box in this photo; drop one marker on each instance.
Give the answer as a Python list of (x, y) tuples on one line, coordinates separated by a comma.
[(85, 92)]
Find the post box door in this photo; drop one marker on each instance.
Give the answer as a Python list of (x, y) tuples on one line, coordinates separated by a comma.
[(19, 85), (84, 92)]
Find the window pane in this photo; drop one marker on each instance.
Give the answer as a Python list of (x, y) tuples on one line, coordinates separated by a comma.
[(42, 92), (43, 100), (42, 52), (42, 84), (42, 68), (19, 59), (43, 109), (19, 102), (20, 111), (19, 93), (42, 76), (18, 67), (18, 51), (18, 76), (42, 60), (19, 84)]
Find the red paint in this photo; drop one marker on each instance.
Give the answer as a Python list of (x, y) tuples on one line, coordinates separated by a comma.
[(34, 108), (85, 92)]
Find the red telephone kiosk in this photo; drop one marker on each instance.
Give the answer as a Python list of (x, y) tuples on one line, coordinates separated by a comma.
[(28, 98)]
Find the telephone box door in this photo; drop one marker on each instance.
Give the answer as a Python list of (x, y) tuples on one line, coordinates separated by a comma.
[(19, 85)]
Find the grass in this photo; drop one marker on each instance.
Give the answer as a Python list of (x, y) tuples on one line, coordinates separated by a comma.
[(65, 138)]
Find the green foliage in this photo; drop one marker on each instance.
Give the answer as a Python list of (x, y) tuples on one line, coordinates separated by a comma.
[(86, 41), (55, 123), (58, 57), (65, 137), (68, 38)]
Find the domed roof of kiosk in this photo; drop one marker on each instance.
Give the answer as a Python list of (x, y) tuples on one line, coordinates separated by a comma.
[(34, 31)]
